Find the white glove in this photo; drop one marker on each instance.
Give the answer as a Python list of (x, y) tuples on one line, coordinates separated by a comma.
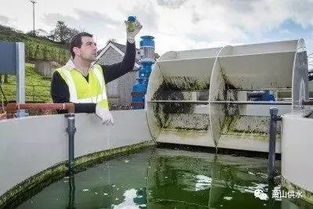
[(132, 29), (104, 114)]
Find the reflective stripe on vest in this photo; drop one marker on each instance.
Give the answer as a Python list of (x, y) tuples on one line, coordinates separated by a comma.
[(83, 91)]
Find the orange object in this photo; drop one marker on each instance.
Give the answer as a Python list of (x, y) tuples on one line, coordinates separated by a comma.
[(12, 107)]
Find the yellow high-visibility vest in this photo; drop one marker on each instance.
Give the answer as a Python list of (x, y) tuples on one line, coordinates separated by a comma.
[(81, 90)]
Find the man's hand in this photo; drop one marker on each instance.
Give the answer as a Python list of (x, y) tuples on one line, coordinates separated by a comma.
[(132, 31), (104, 114)]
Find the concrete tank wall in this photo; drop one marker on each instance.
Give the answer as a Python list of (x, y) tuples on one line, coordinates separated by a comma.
[(30, 145), (297, 155)]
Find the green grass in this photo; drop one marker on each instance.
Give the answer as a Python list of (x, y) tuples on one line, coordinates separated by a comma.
[(36, 48), (37, 87)]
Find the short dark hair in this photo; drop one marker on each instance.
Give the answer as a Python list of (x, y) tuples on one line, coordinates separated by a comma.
[(76, 41)]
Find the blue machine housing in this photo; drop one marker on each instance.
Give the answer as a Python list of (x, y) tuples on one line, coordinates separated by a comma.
[(261, 96), (140, 88)]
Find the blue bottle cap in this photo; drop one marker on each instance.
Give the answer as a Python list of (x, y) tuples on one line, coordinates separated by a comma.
[(131, 18)]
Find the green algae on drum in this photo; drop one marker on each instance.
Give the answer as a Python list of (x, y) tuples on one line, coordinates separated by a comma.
[(167, 113), (185, 83), (247, 124)]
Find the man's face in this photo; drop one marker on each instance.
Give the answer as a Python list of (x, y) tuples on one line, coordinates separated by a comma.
[(88, 49)]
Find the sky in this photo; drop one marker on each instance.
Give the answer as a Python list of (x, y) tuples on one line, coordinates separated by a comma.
[(175, 24)]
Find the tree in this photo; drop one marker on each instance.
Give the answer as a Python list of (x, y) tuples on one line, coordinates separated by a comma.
[(62, 33), (38, 32)]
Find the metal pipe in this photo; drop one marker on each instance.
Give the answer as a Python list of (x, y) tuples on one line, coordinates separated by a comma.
[(223, 102), (34, 28), (272, 141), (12, 107), (71, 129)]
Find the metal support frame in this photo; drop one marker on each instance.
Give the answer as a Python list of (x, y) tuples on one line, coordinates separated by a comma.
[(71, 129), (272, 141), (20, 77)]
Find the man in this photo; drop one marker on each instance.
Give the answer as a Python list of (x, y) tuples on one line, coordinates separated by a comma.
[(83, 83)]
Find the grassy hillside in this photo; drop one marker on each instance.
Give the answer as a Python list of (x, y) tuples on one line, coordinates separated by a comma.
[(36, 48), (37, 88)]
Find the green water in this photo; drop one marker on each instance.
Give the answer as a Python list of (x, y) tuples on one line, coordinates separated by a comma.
[(163, 178)]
